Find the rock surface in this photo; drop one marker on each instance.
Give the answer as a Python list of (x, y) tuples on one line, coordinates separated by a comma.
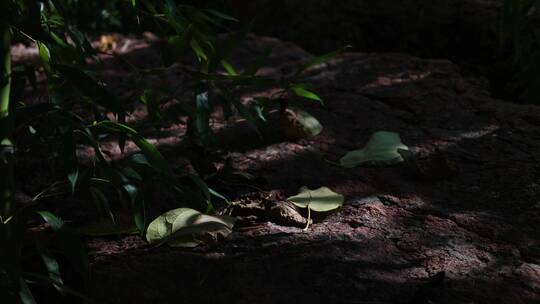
[(467, 238)]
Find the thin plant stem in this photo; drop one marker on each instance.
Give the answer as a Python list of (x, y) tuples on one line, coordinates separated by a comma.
[(308, 212), (6, 125)]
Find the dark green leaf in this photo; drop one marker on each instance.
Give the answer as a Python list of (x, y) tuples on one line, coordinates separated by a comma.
[(25, 294), (228, 67), (201, 55), (69, 158), (202, 186), (302, 92), (139, 215), (73, 177), (321, 59), (217, 194), (45, 56), (244, 112), (152, 103), (101, 201), (150, 151), (68, 242), (221, 15), (45, 281), (89, 87), (257, 64), (51, 264)]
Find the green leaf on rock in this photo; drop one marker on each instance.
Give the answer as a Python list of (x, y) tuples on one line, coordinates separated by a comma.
[(300, 124), (320, 200), (186, 227), (382, 149)]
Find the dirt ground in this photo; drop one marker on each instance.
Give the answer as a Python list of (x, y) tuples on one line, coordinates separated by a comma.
[(462, 229)]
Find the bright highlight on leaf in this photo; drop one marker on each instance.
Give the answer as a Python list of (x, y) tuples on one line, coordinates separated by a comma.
[(305, 93), (228, 67), (382, 149), (302, 91), (319, 200), (185, 227)]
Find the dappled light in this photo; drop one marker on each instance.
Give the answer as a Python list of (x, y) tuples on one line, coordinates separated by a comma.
[(179, 152)]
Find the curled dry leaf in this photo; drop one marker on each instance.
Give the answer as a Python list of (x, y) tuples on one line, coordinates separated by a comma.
[(286, 214), (279, 212)]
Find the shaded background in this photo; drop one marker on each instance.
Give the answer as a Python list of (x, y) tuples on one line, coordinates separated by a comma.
[(463, 31)]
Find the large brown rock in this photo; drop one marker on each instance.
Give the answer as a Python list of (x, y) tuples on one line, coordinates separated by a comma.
[(470, 238)]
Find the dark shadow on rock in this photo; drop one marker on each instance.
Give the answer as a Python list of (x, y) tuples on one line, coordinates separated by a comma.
[(395, 230)]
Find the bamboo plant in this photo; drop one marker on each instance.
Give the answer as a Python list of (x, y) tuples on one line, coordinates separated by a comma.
[(9, 274), (6, 148)]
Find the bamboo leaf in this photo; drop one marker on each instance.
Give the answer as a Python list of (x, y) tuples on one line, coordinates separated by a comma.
[(302, 92), (321, 59), (69, 243), (89, 87), (150, 151)]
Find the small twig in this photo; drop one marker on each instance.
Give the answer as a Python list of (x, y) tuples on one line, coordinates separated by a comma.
[(23, 33), (333, 163), (308, 212)]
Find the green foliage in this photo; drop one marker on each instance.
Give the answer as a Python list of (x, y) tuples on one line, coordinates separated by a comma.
[(69, 244), (154, 158), (11, 281), (301, 91), (80, 111)]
